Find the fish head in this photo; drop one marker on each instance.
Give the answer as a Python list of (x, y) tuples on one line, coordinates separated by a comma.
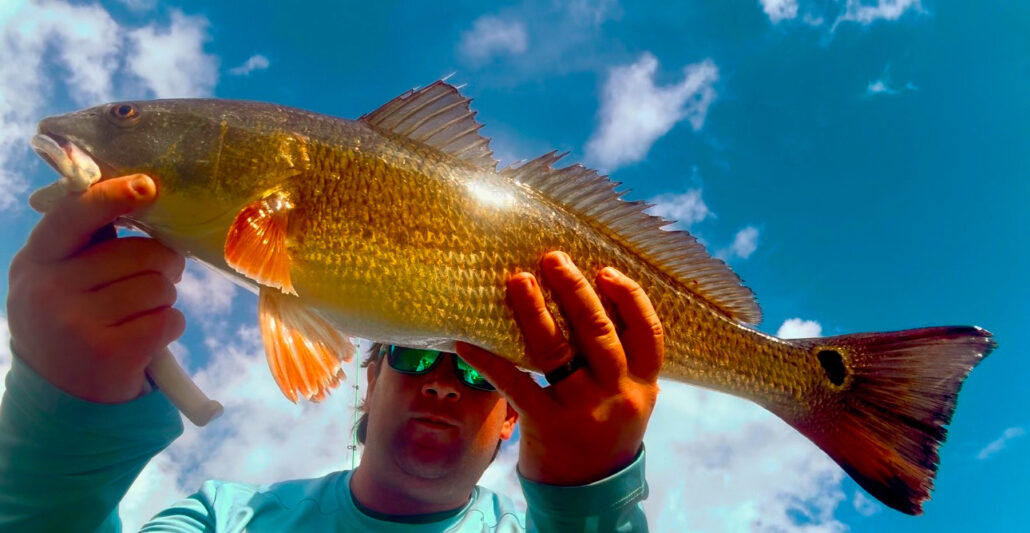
[(167, 139), (206, 156)]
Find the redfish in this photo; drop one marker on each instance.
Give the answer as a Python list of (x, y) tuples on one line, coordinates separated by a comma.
[(398, 227)]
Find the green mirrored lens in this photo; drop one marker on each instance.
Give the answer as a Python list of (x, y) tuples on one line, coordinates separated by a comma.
[(414, 361), (411, 360), (471, 375)]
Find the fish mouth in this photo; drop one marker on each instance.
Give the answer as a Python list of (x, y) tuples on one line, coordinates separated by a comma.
[(77, 168)]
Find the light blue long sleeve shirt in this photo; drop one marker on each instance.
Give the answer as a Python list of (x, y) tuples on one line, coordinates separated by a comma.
[(65, 463)]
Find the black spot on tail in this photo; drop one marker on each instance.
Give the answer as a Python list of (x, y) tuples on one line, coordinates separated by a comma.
[(886, 427), (833, 365)]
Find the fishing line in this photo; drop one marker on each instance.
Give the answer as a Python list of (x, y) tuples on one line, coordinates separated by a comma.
[(354, 414)]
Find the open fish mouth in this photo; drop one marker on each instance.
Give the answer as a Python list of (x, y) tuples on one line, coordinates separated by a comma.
[(77, 168)]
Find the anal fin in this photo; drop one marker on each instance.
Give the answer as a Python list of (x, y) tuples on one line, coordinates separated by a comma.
[(304, 351)]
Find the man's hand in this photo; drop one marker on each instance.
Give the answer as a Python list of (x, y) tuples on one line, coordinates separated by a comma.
[(88, 311), (590, 424)]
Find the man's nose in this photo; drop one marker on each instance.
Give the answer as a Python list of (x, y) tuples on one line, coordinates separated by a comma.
[(442, 383)]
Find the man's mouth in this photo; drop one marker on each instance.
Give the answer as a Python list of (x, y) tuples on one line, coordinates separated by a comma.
[(434, 421), (77, 168)]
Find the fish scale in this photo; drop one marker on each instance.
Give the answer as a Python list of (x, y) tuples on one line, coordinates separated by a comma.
[(423, 190), (398, 227)]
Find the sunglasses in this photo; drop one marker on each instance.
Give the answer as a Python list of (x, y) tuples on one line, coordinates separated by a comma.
[(418, 362)]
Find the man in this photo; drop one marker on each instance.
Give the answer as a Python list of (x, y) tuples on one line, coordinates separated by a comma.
[(79, 420)]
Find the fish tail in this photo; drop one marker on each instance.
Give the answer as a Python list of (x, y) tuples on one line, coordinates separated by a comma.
[(886, 402)]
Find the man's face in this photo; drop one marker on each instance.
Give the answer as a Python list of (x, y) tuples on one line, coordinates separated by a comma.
[(433, 426)]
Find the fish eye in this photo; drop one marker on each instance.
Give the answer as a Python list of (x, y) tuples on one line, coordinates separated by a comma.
[(124, 114)]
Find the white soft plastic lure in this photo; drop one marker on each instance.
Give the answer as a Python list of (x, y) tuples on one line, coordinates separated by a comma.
[(78, 173), (77, 168)]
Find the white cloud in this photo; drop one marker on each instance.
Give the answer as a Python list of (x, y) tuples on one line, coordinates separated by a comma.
[(88, 49), (865, 13), (635, 112), (1001, 442), (592, 12), (207, 298), (204, 292), (812, 20), (139, 5), (780, 9), (533, 40), (745, 242), (685, 209), (171, 60), (879, 87), (865, 505), (492, 36), (254, 62), (83, 53), (796, 328), (882, 86), (179, 350), (720, 463), (44, 52), (5, 353), (814, 13)]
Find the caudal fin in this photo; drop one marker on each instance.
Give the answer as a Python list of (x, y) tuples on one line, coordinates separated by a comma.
[(889, 397)]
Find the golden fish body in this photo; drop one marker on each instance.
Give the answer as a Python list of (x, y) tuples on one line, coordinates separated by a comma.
[(397, 227)]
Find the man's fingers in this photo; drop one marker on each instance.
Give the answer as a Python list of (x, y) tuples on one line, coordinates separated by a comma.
[(150, 332), (70, 226), (125, 299), (546, 345), (594, 331), (110, 261), (517, 386), (642, 336)]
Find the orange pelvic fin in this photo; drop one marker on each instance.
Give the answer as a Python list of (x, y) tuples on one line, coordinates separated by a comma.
[(304, 352), (890, 396), (256, 243)]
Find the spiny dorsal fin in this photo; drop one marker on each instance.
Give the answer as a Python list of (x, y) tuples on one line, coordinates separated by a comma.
[(677, 253), (439, 116)]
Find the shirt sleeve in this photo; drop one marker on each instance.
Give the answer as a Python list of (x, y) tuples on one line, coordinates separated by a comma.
[(65, 463), (611, 504)]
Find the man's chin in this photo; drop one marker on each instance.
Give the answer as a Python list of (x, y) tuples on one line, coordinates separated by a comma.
[(428, 453), (429, 463)]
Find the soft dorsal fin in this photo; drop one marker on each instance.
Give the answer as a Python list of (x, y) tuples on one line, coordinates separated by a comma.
[(585, 192), (439, 116)]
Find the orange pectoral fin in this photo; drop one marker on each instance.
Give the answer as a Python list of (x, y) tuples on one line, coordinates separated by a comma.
[(304, 351), (256, 243)]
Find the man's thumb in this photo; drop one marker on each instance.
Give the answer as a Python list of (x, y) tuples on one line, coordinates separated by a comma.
[(70, 225)]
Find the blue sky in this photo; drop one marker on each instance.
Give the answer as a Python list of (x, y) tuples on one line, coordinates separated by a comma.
[(861, 164)]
